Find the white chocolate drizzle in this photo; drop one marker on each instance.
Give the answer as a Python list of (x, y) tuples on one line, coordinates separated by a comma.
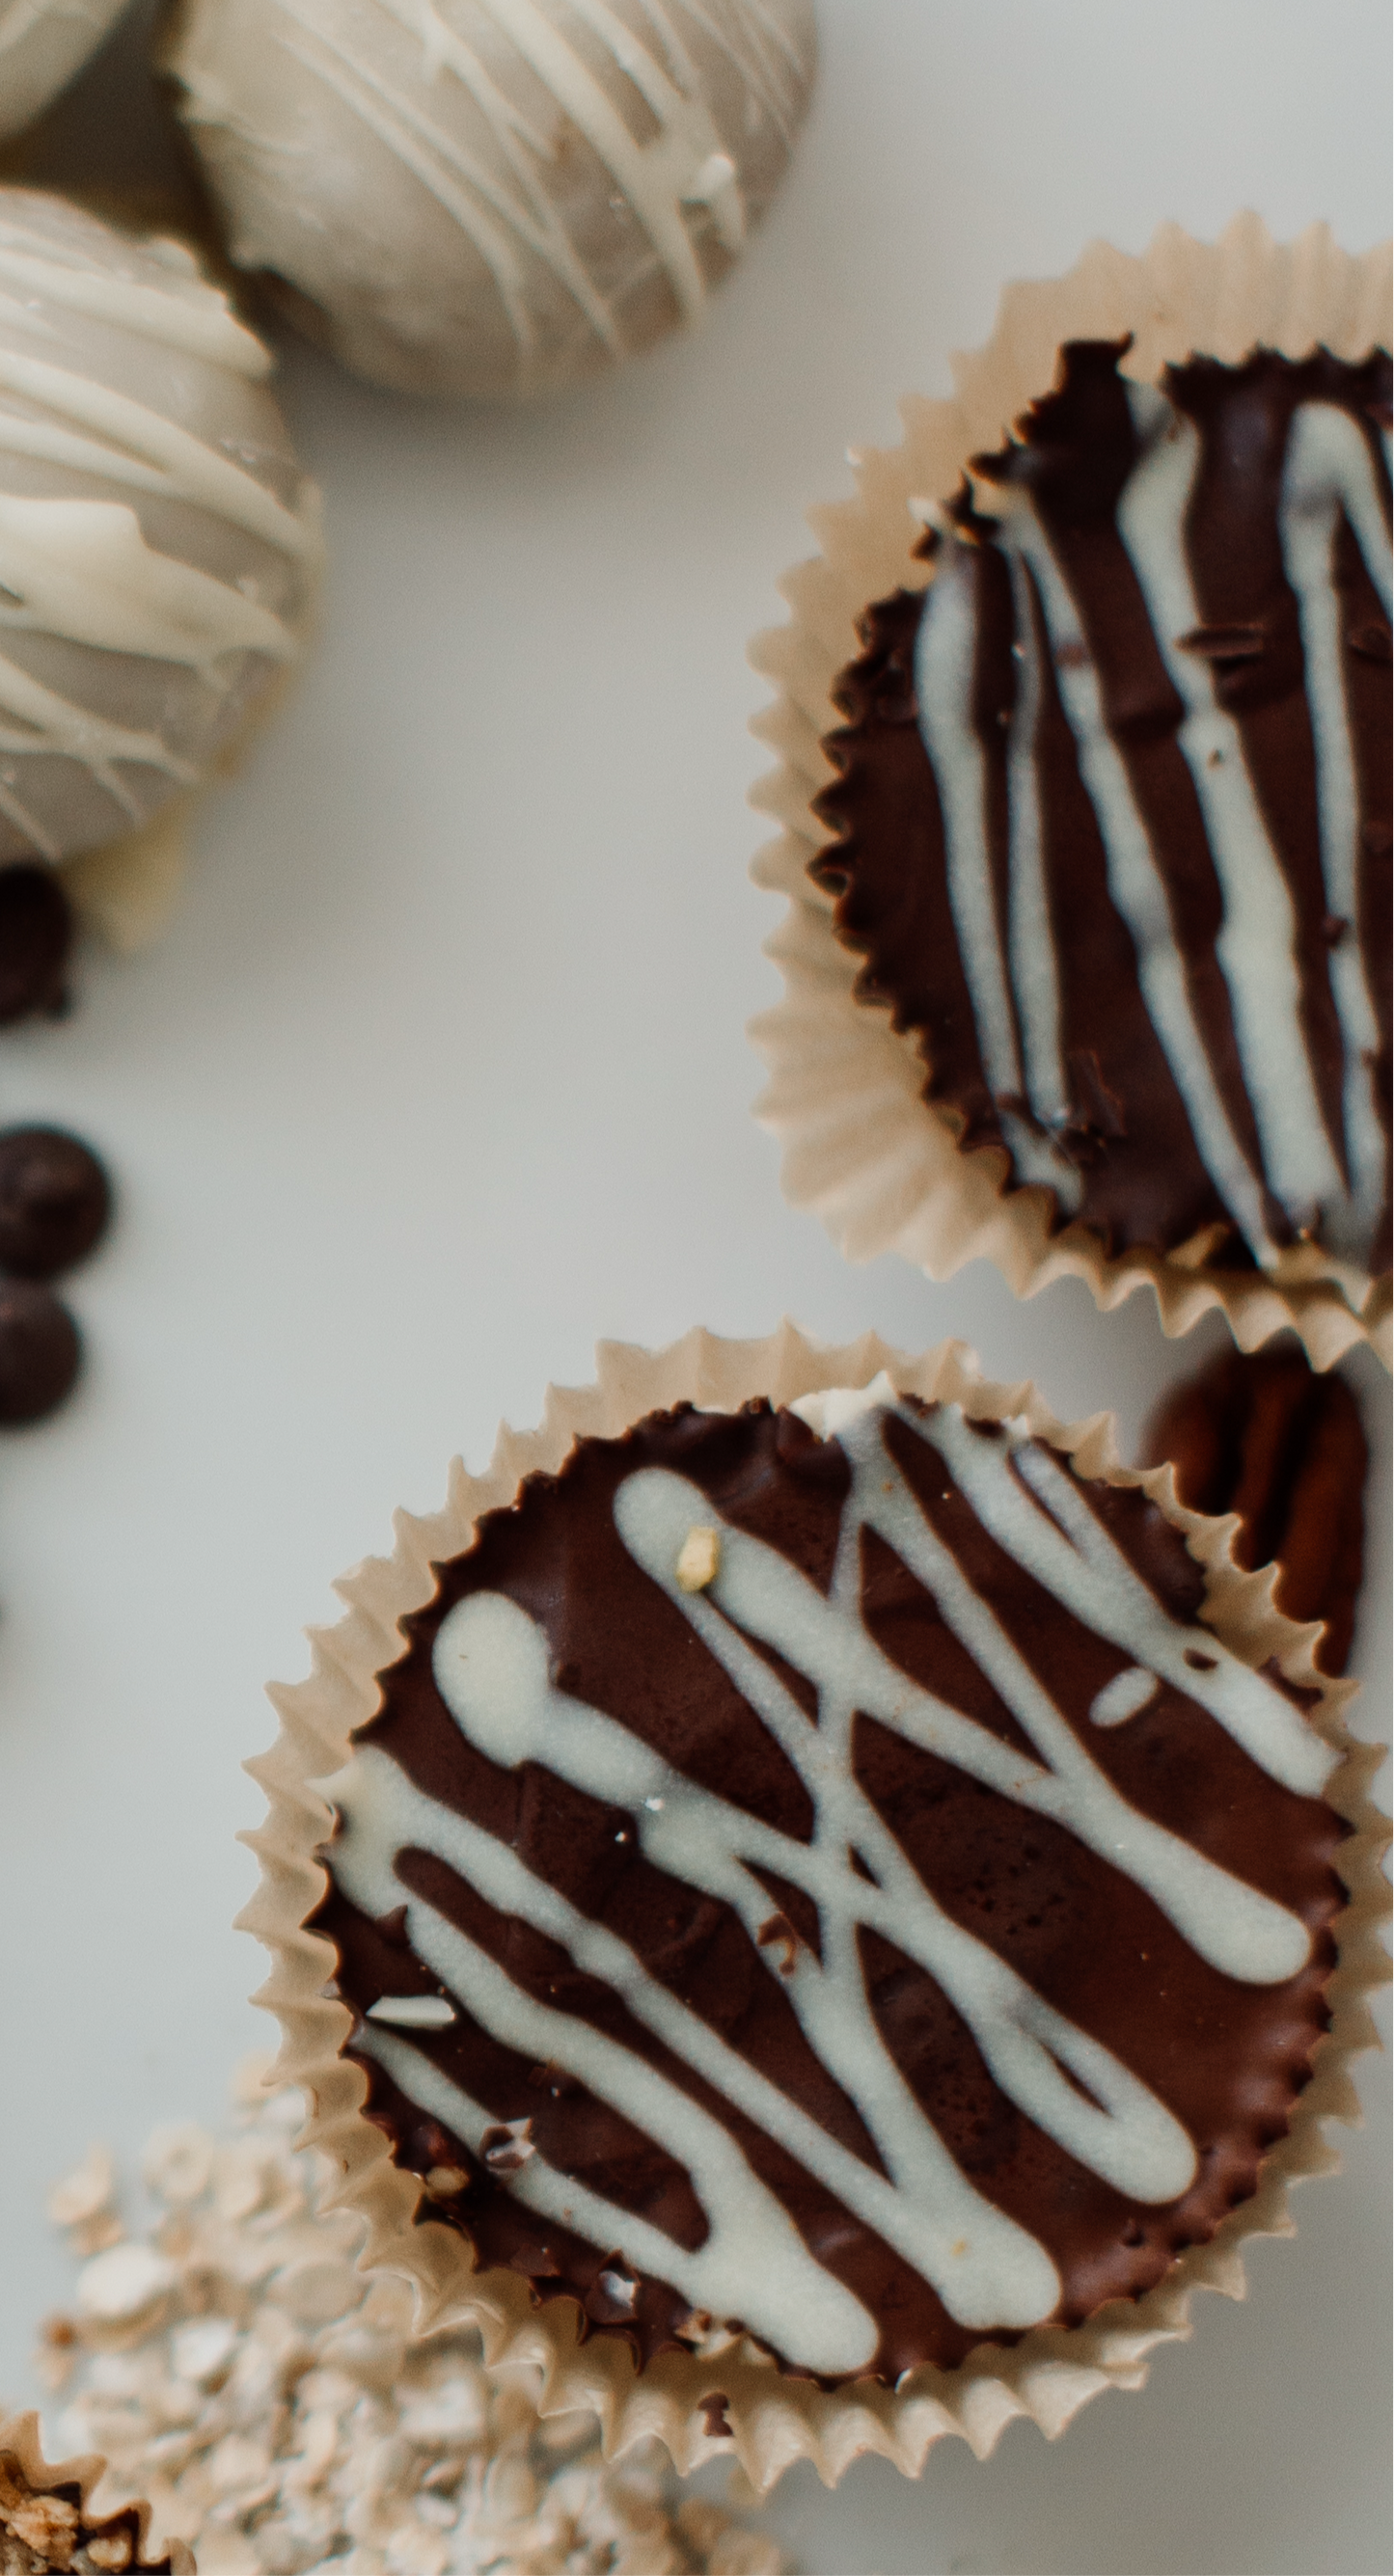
[(944, 681), (83, 570), (1328, 477), (182, 312), (682, 165), (491, 1666)]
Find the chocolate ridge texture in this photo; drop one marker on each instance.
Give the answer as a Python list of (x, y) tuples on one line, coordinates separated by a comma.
[(1113, 827), (1052, 2369)]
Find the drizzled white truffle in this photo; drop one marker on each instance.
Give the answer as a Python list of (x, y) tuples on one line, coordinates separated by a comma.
[(43, 43), (491, 197), (158, 541)]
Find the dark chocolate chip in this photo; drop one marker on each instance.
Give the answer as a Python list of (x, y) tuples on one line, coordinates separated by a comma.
[(38, 1351), (36, 929), (54, 1201)]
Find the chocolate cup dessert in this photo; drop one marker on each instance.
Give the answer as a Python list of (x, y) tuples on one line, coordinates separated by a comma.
[(47, 2527), (1087, 955), (825, 1891), (1262, 1435), (1113, 814)]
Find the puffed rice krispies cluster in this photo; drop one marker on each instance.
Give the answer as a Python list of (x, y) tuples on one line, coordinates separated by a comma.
[(236, 2370), (40, 2533)]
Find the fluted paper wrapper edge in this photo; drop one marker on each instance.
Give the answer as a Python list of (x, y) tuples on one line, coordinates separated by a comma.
[(861, 1145), (21, 2443), (775, 2419)]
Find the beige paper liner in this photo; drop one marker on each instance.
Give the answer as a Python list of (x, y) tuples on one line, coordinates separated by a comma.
[(21, 2448), (775, 2419), (861, 1144)]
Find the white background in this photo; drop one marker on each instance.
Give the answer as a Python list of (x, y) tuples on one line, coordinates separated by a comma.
[(440, 1074)]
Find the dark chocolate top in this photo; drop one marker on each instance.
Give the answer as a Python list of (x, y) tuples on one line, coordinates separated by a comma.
[(1113, 818), (832, 1885), (1262, 1434)]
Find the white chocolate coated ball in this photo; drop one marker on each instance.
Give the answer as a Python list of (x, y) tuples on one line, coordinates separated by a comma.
[(491, 197), (159, 544), (43, 44)]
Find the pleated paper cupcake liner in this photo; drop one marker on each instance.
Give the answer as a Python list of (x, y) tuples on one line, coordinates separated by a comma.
[(774, 2418)]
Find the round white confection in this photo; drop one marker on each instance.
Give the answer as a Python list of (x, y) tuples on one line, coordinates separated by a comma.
[(491, 197), (158, 542), (42, 44)]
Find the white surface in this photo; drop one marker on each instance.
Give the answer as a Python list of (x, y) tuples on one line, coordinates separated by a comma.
[(440, 1074)]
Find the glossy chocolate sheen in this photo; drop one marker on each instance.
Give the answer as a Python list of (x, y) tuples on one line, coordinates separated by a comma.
[(1099, 1102), (1262, 1434), (1226, 2058)]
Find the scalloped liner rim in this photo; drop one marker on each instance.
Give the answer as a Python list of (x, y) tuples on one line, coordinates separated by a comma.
[(21, 2441), (775, 2419), (838, 1068)]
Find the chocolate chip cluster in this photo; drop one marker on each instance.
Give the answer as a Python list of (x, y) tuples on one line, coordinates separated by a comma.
[(55, 1200)]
